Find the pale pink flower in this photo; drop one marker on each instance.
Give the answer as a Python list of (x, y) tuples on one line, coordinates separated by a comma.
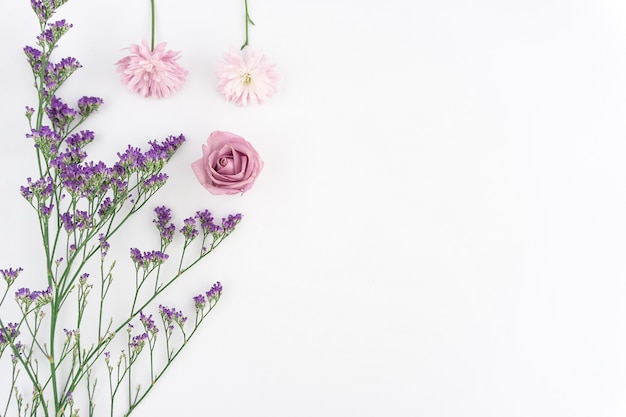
[(152, 73), (245, 78)]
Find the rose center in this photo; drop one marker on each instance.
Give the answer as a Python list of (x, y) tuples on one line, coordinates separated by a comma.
[(223, 161)]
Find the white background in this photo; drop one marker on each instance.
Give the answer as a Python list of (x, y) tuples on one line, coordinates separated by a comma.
[(439, 229)]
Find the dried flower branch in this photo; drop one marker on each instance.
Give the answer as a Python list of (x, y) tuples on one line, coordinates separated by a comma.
[(67, 325)]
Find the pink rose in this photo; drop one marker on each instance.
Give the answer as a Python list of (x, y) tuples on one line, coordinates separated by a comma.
[(229, 164)]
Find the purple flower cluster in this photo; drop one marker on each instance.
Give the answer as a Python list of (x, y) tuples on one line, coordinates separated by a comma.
[(199, 301), (33, 56), (60, 114), (10, 275), (147, 260), (8, 333), (88, 105), (44, 9), (189, 229), (91, 180), (80, 139), (54, 75), (46, 211), (42, 189), (211, 296), (27, 297), (163, 151), (148, 323), (80, 220), (151, 161), (215, 292), (138, 342), (82, 280), (71, 333), (163, 224), (206, 222), (87, 180), (46, 139), (209, 227), (155, 181), (51, 36), (171, 316), (229, 223), (106, 207), (104, 245)]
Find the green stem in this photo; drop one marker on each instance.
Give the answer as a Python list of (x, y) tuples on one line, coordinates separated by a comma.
[(248, 22), (53, 373), (14, 374), (94, 353), (186, 340), (152, 10)]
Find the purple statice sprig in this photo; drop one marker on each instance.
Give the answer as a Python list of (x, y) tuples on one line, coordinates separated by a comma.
[(214, 294), (81, 204), (27, 298), (104, 245), (61, 115), (189, 229), (133, 160), (49, 76), (88, 105), (172, 317), (164, 225), (148, 259), (211, 297), (50, 36), (201, 224), (149, 335), (40, 190), (217, 233), (136, 343), (10, 275), (8, 334), (204, 303), (46, 140), (148, 324), (209, 227), (66, 119), (52, 75), (44, 9)]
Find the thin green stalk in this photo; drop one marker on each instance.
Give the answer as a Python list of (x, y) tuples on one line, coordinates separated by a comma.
[(186, 340), (248, 22), (14, 373), (53, 374), (91, 357), (152, 16)]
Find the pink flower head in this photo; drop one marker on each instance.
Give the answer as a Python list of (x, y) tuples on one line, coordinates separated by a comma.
[(152, 73), (246, 79), (229, 164)]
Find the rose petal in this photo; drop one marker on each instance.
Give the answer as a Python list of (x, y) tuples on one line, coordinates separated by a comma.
[(229, 164)]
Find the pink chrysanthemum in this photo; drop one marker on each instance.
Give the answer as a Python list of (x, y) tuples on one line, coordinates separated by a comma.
[(246, 79), (152, 73)]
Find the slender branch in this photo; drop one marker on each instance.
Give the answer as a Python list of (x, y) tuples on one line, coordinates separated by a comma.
[(152, 22), (248, 22)]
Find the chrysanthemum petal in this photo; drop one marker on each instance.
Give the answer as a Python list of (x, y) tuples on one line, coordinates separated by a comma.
[(152, 73), (246, 79)]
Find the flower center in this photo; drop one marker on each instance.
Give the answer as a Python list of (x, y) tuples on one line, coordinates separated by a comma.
[(247, 78), (223, 161)]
